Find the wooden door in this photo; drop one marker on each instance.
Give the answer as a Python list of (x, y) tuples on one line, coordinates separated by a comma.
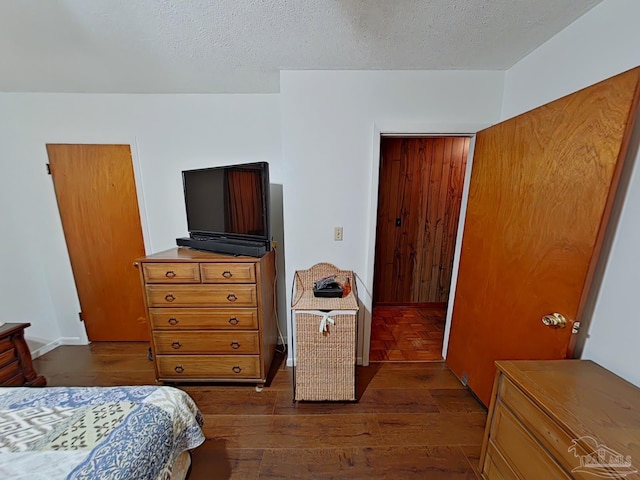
[(96, 194), (418, 209), (541, 192)]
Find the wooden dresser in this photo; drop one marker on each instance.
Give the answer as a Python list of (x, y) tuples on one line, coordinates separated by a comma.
[(212, 316), (16, 367), (561, 419)]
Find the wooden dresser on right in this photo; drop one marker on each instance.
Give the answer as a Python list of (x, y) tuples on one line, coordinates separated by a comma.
[(560, 420)]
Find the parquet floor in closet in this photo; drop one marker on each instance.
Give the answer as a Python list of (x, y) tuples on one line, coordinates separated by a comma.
[(407, 334)]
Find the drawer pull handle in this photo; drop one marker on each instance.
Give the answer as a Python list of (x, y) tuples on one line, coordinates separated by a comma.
[(236, 369), (235, 345), (169, 298), (172, 321), (179, 369), (170, 274), (233, 321), (232, 297), (176, 345), (227, 274)]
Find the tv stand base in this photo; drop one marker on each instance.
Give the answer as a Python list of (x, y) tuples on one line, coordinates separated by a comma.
[(223, 246)]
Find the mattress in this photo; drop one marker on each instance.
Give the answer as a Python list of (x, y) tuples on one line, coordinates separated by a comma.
[(96, 432)]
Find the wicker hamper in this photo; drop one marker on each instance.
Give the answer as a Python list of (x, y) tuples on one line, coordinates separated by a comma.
[(325, 338)]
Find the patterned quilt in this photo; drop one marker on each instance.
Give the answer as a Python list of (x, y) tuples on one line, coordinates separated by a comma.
[(95, 432)]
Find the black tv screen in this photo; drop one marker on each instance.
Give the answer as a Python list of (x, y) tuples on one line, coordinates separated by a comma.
[(228, 202)]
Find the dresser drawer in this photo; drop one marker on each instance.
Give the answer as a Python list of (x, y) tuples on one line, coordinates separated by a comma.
[(527, 457), (5, 344), (227, 273), (204, 342), (171, 272), (204, 318), (9, 371), (240, 295), (495, 467), (15, 381), (543, 428), (197, 367), (7, 357)]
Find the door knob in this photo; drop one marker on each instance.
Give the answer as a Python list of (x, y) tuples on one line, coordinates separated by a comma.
[(555, 320)]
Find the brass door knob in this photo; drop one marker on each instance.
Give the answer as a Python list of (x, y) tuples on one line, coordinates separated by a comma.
[(554, 320)]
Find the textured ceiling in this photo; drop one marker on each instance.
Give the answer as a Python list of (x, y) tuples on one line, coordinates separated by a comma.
[(220, 46)]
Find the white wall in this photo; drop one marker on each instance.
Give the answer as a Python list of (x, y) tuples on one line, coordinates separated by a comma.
[(599, 45), (331, 123), (168, 133)]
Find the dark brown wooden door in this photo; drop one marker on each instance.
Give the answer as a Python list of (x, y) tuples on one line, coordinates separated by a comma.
[(96, 194), (541, 191), (418, 209)]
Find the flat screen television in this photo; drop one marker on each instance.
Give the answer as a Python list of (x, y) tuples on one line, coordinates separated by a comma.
[(228, 205)]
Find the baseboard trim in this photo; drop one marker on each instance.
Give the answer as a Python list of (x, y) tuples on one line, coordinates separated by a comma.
[(46, 345), (46, 348)]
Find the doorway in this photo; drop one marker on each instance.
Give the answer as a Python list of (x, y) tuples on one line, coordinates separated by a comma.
[(419, 196), (97, 200)]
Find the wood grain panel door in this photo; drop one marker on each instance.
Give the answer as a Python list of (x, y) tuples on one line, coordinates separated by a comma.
[(96, 194), (540, 197), (418, 208)]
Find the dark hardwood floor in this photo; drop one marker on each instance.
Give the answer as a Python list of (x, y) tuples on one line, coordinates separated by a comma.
[(407, 334), (412, 420)]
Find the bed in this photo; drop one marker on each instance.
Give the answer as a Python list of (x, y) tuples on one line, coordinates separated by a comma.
[(141, 433)]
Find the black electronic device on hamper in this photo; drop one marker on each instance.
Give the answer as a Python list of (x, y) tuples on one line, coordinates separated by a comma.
[(327, 287)]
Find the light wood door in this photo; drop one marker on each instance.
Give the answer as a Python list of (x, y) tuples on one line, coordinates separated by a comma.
[(541, 192), (418, 209), (96, 194)]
